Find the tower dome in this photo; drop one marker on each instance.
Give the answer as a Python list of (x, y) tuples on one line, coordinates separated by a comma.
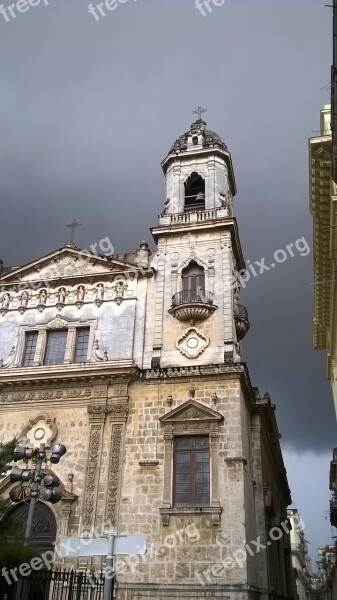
[(197, 135)]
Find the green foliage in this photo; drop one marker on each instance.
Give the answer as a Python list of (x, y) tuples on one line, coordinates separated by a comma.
[(13, 552), (6, 455)]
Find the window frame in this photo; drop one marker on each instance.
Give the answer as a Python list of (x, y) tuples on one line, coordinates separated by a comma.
[(192, 282), (42, 330), (52, 348), (78, 329), (33, 332), (192, 470), (191, 419)]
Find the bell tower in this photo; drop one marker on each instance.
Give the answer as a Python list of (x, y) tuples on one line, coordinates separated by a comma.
[(198, 315)]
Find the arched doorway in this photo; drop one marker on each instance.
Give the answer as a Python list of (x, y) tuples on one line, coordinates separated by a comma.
[(43, 536), (44, 524)]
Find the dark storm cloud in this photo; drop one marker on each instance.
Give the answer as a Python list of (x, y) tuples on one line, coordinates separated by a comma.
[(89, 109)]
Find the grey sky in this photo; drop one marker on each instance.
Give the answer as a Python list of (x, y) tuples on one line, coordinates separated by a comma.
[(89, 109)]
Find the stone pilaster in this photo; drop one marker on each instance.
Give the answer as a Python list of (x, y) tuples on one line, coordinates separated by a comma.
[(118, 415), (96, 420)]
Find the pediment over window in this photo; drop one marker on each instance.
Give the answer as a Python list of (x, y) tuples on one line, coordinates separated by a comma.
[(192, 411), (67, 262)]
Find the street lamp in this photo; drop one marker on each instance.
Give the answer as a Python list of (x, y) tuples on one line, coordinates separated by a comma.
[(42, 485)]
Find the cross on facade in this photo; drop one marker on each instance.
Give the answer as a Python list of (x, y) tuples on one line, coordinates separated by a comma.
[(73, 227), (199, 111)]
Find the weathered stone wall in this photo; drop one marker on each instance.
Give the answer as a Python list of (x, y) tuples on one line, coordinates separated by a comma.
[(190, 547)]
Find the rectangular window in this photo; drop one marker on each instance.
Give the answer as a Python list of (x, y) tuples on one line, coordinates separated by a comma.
[(30, 347), (191, 471), (81, 344), (55, 347)]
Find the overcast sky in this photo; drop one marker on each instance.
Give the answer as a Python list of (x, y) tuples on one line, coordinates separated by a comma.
[(89, 109)]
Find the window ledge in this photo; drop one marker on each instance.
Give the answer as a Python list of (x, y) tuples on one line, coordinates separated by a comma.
[(176, 511)]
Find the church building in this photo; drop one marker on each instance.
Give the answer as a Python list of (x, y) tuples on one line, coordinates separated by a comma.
[(134, 362)]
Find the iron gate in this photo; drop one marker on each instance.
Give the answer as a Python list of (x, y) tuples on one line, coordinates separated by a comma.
[(58, 585)]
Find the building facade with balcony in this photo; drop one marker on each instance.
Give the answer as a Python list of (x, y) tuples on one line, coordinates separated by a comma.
[(135, 363), (299, 555)]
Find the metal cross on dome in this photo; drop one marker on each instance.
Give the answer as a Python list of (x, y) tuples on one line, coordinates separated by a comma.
[(200, 110), (73, 226)]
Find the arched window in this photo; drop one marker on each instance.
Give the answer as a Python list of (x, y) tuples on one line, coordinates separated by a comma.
[(195, 140), (195, 191), (193, 279)]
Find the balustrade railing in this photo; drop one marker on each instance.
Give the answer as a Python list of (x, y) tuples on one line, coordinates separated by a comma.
[(198, 296), (195, 216)]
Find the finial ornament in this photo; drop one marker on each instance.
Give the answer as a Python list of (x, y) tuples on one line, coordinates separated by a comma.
[(73, 227), (199, 111)]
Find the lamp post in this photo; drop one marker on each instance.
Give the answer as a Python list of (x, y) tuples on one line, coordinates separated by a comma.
[(50, 492)]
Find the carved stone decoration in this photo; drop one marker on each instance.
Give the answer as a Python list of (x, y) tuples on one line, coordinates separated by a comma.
[(99, 290), (9, 361), (42, 299), (119, 288), (61, 297), (117, 410), (114, 473), (91, 484), (23, 302), (192, 343), (46, 394), (191, 410), (5, 300), (80, 293), (97, 412), (57, 323), (41, 429), (95, 354)]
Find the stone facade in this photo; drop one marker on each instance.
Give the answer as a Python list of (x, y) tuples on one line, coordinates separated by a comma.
[(163, 363)]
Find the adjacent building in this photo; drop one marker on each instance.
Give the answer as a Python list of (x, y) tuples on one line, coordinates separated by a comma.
[(134, 362), (299, 555)]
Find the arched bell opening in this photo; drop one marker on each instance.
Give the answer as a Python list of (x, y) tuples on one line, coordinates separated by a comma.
[(195, 192)]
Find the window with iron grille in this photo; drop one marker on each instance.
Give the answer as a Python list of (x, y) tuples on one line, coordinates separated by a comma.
[(191, 471), (55, 347), (30, 348), (81, 344)]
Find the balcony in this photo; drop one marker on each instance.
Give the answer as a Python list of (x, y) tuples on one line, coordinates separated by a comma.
[(192, 305), (241, 321), (194, 215)]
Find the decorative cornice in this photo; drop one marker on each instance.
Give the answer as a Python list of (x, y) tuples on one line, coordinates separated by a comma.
[(148, 462), (182, 372), (72, 373)]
